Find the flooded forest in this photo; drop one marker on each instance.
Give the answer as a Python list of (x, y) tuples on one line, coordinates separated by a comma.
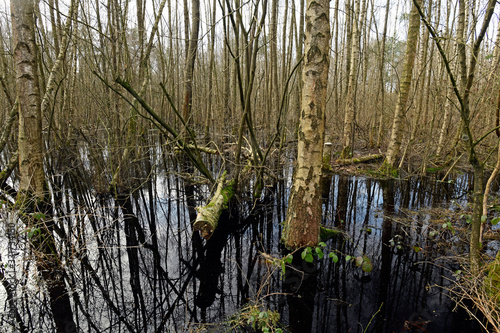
[(249, 166)]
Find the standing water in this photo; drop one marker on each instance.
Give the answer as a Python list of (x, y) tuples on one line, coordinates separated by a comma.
[(387, 222), (134, 264)]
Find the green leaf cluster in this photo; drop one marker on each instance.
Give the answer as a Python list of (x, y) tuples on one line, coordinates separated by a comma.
[(309, 253), (260, 319), (396, 242), (448, 226)]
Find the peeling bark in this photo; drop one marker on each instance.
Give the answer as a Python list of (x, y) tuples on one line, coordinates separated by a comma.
[(304, 213)]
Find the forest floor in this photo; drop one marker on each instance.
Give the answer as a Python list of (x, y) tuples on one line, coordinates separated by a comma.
[(413, 167)]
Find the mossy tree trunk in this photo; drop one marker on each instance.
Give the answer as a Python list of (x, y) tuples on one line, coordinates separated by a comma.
[(304, 213), (208, 216)]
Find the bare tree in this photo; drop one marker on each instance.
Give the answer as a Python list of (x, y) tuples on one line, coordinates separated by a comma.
[(350, 109), (304, 207), (406, 79), (33, 195), (462, 92)]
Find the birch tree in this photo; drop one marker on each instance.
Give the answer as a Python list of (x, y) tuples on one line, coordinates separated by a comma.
[(350, 109), (32, 198), (304, 207), (406, 79)]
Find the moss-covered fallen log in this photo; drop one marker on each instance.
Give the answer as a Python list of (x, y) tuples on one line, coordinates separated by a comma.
[(361, 159), (208, 216)]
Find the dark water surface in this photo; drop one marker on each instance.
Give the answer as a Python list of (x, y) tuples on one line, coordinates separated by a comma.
[(134, 264), (384, 220)]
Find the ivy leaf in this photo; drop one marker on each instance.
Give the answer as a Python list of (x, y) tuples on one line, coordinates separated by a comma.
[(334, 257), (483, 218), (347, 258), (309, 258), (495, 220)]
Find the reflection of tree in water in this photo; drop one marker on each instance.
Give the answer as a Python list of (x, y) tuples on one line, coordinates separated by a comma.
[(140, 258), (347, 298), (300, 285)]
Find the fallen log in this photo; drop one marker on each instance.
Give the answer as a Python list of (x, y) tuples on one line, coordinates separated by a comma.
[(208, 216), (200, 148), (361, 159)]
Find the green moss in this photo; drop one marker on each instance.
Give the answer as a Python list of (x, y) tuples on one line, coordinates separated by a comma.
[(257, 192), (326, 166), (346, 153), (388, 170), (434, 170), (492, 281), (327, 234), (228, 192)]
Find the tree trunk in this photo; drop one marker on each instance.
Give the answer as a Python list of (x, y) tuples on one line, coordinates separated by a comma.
[(190, 60), (208, 216), (381, 88), (404, 89), (304, 213), (32, 195), (350, 109)]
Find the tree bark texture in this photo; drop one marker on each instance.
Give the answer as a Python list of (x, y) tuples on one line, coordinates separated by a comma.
[(404, 89), (190, 60), (304, 213), (30, 118), (208, 216), (32, 191), (350, 109)]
